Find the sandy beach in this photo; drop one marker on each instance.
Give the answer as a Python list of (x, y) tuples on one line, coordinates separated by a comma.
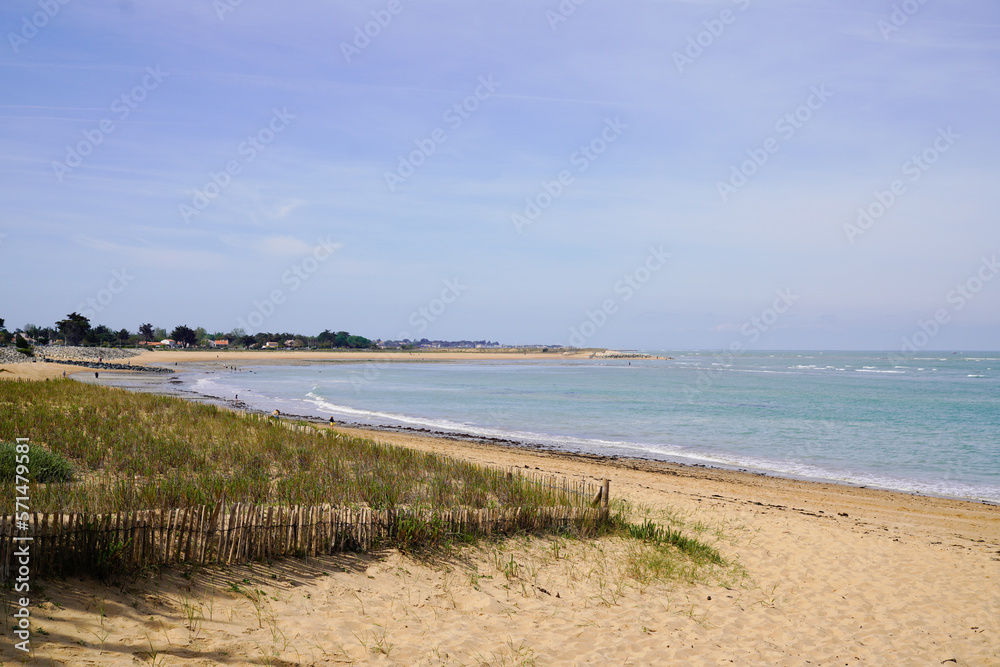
[(825, 574), (284, 356), (40, 370), (833, 575)]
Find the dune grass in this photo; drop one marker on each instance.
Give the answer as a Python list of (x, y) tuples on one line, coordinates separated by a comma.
[(119, 451), (139, 451), (41, 466)]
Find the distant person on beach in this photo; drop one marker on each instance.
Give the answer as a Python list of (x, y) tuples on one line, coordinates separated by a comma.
[(95, 375)]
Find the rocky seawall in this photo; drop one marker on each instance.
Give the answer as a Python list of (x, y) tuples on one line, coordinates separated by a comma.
[(9, 355), (84, 353), (99, 358), (103, 365)]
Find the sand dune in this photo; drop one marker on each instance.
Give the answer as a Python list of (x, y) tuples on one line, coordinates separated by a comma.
[(833, 576)]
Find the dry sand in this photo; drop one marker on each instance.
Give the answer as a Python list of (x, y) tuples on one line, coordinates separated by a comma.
[(284, 356), (37, 371), (41, 371), (832, 575)]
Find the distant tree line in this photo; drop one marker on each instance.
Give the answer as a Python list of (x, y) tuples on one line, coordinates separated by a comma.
[(76, 329)]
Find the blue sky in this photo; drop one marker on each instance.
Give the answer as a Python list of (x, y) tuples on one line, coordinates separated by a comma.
[(739, 138)]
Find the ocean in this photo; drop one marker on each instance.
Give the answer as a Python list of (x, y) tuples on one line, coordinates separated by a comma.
[(928, 423)]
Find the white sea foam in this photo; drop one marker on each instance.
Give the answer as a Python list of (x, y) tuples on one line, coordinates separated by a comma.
[(868, 369), (430, 398)]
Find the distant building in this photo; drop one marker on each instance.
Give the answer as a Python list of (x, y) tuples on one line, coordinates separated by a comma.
[(293, 342), (168, 342), (222, 342), (270, 345)]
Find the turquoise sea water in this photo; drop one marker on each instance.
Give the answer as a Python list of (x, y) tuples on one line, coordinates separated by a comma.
[(928, 423)]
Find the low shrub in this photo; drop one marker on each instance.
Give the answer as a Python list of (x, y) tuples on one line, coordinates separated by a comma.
[(43, 466)]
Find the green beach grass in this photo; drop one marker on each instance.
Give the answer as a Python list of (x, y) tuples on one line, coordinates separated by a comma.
[(137, 451), (111, 450)]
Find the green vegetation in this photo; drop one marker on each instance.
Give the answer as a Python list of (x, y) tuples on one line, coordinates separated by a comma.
[(76, 329), (658, 536), (139, 451), (43, 466), (96, 449)]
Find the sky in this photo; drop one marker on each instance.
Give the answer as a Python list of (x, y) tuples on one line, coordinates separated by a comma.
[(644, 175)]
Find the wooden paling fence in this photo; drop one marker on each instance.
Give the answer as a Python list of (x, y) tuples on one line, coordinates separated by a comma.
[(70, 542), (76, 542)]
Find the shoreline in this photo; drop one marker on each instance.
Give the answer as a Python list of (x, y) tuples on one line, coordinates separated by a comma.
[(162, 381), (39, 370)]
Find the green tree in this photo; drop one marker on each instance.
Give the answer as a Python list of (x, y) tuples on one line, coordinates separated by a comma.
[(100, 335), (184, 335), (123, 336), (146, 331), (74, 328)]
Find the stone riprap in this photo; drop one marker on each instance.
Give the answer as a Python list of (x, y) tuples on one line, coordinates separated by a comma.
[(9, 355), (84, 353)]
